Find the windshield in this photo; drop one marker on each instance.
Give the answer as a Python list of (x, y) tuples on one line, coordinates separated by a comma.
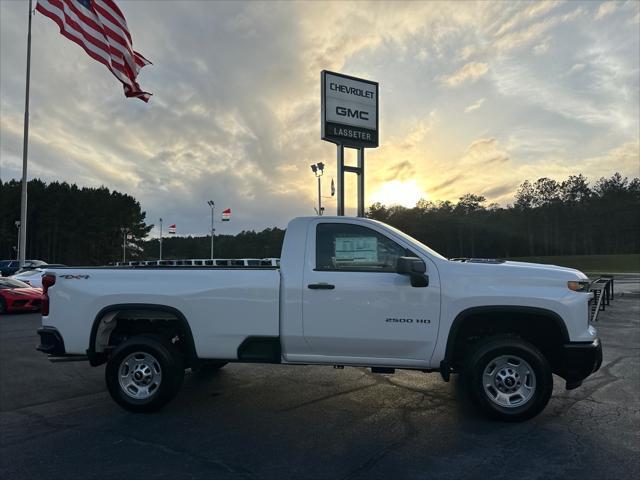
[(412, 240), (11, 283)]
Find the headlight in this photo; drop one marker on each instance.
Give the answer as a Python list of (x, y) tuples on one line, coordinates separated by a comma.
[(578, 286)]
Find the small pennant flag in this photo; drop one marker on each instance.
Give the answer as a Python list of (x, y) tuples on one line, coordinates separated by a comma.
[(172, 229), (226, 215)]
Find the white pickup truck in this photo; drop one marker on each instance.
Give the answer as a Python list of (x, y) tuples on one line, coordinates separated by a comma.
[(349, 292)]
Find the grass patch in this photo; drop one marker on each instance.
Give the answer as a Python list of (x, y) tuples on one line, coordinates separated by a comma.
[(591, 263)]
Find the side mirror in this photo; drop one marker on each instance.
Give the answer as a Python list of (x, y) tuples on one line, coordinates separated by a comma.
[(415, 268)]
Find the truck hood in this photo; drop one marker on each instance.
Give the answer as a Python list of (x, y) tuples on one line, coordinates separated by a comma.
[(514, 270), (544, 266)]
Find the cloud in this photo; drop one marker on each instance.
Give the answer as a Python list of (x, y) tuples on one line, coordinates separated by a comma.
[(532, 11), (400, 171), (470, 72), (446, 184), (467, 52), (500, 190), (422, 55), (526, 35), (603, 102), (605, 9), (542, 47), (236, 105), (626, 157), (482, 165), (485, 151), (577, 67), (474, 106)]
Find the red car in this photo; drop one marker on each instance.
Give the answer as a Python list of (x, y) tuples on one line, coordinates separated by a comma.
[(17, 296)]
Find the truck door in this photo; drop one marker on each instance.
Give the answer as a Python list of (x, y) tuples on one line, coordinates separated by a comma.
[(356, 305)]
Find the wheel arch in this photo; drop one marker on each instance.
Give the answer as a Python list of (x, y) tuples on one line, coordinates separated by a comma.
[(98, 357), (500, 315)]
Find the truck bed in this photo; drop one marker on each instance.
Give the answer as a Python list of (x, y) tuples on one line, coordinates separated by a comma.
[(223, 305)]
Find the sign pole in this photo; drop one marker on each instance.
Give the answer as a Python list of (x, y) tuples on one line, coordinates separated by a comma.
[(25, 149), (361, 182), (340, 201), (319, 196)]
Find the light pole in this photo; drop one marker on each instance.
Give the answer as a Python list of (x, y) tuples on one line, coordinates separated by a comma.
[(160, 239), (17, 224), (318, 171), (124, 244), (212, 204)]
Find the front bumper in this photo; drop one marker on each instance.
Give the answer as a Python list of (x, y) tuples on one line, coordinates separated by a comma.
[(51, 341), (580, 361)]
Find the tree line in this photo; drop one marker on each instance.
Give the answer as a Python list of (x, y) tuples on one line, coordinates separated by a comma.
[(246, 244), (548, 217), (84, 226), (70, 224)]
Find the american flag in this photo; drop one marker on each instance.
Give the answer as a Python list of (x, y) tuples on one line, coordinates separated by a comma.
[(99, 27)]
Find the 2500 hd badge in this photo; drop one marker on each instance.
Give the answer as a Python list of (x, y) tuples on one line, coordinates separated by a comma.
[(408, 320)]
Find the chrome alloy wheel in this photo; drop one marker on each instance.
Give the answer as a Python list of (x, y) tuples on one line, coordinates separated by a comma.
[(140, 375), (509, 381)]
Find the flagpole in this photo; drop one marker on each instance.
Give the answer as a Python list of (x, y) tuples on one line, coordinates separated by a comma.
[(25, 151)]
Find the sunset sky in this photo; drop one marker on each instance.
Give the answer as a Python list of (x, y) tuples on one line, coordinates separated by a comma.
[(474, 97)]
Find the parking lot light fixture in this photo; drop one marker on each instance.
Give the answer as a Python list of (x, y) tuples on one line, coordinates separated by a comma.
[(124, 231), (318, 171), (212, 204)]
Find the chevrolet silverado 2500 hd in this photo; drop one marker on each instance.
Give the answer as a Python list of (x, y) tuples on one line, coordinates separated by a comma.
[(349, 291)]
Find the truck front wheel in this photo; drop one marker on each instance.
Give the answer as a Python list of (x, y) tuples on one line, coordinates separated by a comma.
[(144, 373), (508, 378)]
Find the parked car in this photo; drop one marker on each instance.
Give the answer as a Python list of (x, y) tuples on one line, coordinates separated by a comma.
[(17, 296), (349, 292), (33, 277), (34, 274), (11, 267)]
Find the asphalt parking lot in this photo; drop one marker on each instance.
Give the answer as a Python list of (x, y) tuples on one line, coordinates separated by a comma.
[(253, 421)]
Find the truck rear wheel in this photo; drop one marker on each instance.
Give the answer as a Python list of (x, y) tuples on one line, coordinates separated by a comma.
[(508, 378), (144, 373)]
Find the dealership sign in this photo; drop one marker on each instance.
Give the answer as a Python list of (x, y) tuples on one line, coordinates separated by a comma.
[(349, 110)]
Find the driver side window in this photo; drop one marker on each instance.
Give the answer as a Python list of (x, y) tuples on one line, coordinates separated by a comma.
[(347, 247)]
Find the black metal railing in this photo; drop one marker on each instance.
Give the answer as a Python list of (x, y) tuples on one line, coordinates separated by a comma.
[(603, 292)]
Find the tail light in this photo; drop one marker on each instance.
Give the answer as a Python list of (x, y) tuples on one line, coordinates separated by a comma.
[(48, 280)]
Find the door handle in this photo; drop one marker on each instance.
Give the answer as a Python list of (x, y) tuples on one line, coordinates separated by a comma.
[(321, 286)]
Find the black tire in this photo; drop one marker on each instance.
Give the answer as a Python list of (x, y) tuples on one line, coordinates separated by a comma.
[(506, 360), (3, 306), (208, 367), (147, 354)]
